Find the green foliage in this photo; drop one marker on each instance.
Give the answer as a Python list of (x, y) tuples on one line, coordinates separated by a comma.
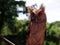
[(21, 26), (8, 12), (5, 30), (9, 25), (53, 33)]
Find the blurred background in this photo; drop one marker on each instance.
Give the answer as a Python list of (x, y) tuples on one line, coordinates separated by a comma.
[(14, 20)]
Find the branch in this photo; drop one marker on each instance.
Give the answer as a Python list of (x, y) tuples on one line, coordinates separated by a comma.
[(6, 40)]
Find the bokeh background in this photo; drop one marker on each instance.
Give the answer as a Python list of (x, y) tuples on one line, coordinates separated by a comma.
[(14, 20)]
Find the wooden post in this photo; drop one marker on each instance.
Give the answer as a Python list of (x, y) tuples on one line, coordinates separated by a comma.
[(37, 26)]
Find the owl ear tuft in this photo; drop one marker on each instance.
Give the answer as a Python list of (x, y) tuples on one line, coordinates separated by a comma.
[(30, 9)]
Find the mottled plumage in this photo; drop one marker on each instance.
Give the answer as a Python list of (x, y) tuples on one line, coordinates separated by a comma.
[(37, 27)]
